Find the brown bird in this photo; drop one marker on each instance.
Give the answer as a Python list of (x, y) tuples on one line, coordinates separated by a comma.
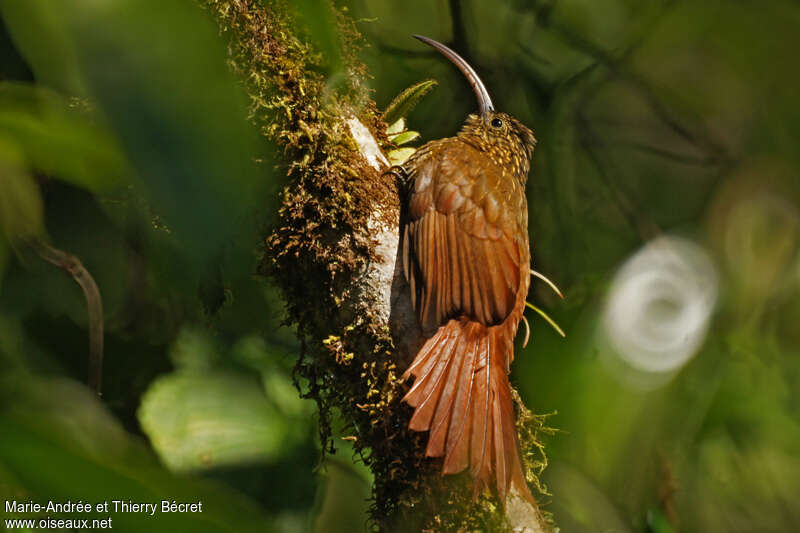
[(467, 260)]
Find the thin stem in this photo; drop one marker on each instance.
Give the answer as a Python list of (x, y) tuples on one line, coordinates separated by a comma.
[(546, 280), (94, 306), (547, 318)]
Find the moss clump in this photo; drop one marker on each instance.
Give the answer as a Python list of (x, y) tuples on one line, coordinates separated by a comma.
[(320, 246)]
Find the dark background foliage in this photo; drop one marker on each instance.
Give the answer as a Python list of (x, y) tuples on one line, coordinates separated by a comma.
[(124, 141)]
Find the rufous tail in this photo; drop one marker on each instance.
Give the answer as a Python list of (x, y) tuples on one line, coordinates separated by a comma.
[(461, 394)]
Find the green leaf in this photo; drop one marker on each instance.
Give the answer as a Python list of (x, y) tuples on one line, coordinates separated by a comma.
[(58, 138), (203, 421), (21, 211), (398, 126), (407, 100), (404, 138)]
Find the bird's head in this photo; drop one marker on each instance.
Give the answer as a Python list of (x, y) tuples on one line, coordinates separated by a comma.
[(506, 140)]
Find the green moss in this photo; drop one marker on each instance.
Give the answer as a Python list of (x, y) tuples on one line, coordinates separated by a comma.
[(320, 245)]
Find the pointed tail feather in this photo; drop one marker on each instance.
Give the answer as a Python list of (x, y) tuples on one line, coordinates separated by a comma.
[(461, 394)]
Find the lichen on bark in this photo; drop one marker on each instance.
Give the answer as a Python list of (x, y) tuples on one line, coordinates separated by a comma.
[(333, 253)]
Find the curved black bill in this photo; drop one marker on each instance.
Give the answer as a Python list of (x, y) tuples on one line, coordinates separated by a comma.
[(484, 101)]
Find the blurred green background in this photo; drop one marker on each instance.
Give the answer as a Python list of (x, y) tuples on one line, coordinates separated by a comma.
[(663, 201)]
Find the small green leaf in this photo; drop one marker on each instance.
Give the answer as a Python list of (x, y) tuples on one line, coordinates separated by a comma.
[(404, 138), (398, 126), (399, 156), (407, 100)]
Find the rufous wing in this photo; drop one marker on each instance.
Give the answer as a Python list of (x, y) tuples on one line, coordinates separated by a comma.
[(461, 252)]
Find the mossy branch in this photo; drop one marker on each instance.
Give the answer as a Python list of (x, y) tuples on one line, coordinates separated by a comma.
[(334, 254)]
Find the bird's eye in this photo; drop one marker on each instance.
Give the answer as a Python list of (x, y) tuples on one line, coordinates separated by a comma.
[(497, 123)]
